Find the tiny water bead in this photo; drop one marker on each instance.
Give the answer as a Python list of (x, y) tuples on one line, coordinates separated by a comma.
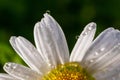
[(89, 29), (68, 71)]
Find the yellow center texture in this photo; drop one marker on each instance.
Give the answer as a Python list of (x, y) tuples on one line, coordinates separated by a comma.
[(68, 71)]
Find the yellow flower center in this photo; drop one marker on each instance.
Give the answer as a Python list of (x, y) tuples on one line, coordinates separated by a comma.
[(68, 71)]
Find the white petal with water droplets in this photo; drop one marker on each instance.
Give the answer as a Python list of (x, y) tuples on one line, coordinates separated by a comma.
[(83, 43), (113, 77), (50, 41), (21, 72), (6, 77), (29, 54), (110, 72), (103, 52)]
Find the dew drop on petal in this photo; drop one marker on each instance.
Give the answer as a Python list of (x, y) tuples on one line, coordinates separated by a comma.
[(77, 37), (102, 49), (96, 53), (10, 66), (85, 33), (91, 60), (89, 28), (48, 11)]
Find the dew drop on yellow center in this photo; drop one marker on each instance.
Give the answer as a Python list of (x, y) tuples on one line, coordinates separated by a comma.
[(68, 71)]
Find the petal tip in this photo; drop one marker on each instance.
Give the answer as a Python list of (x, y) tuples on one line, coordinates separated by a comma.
[(46, 14), (12, 37), (12, 40), (8, 66), (91, 26)]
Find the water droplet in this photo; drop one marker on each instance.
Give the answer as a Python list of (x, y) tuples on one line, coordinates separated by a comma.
[(91, 60), (85, 63), (50, 65), (10, 66), (90, 28), (14, 66), (118, 44), (96, 53), (102, 49), (48, 11), (7, 65), (85, 33), (77, 37)]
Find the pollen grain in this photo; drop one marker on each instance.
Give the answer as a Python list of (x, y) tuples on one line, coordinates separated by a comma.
[(68, 71)]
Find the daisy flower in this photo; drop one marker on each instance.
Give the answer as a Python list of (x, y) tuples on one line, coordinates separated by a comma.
[(90, 59)]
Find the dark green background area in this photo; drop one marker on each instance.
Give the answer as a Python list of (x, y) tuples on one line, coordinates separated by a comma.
[(18, 17)]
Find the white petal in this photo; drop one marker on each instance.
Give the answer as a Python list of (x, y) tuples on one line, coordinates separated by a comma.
[(114, 77), (83, 42), (6, 77), (103, 52), (21, 72), (50, 41), (29, 54), (110, 72)]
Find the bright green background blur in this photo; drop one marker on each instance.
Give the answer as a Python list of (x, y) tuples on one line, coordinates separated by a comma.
[(17, 17)]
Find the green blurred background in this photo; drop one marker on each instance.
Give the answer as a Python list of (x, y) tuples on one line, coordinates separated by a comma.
[(17, 17)]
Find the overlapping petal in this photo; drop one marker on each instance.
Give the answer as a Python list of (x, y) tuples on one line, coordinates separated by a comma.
[(50, 41), (83, 43), (103, 55), (4, 76), (21, 72), (29, 54)]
